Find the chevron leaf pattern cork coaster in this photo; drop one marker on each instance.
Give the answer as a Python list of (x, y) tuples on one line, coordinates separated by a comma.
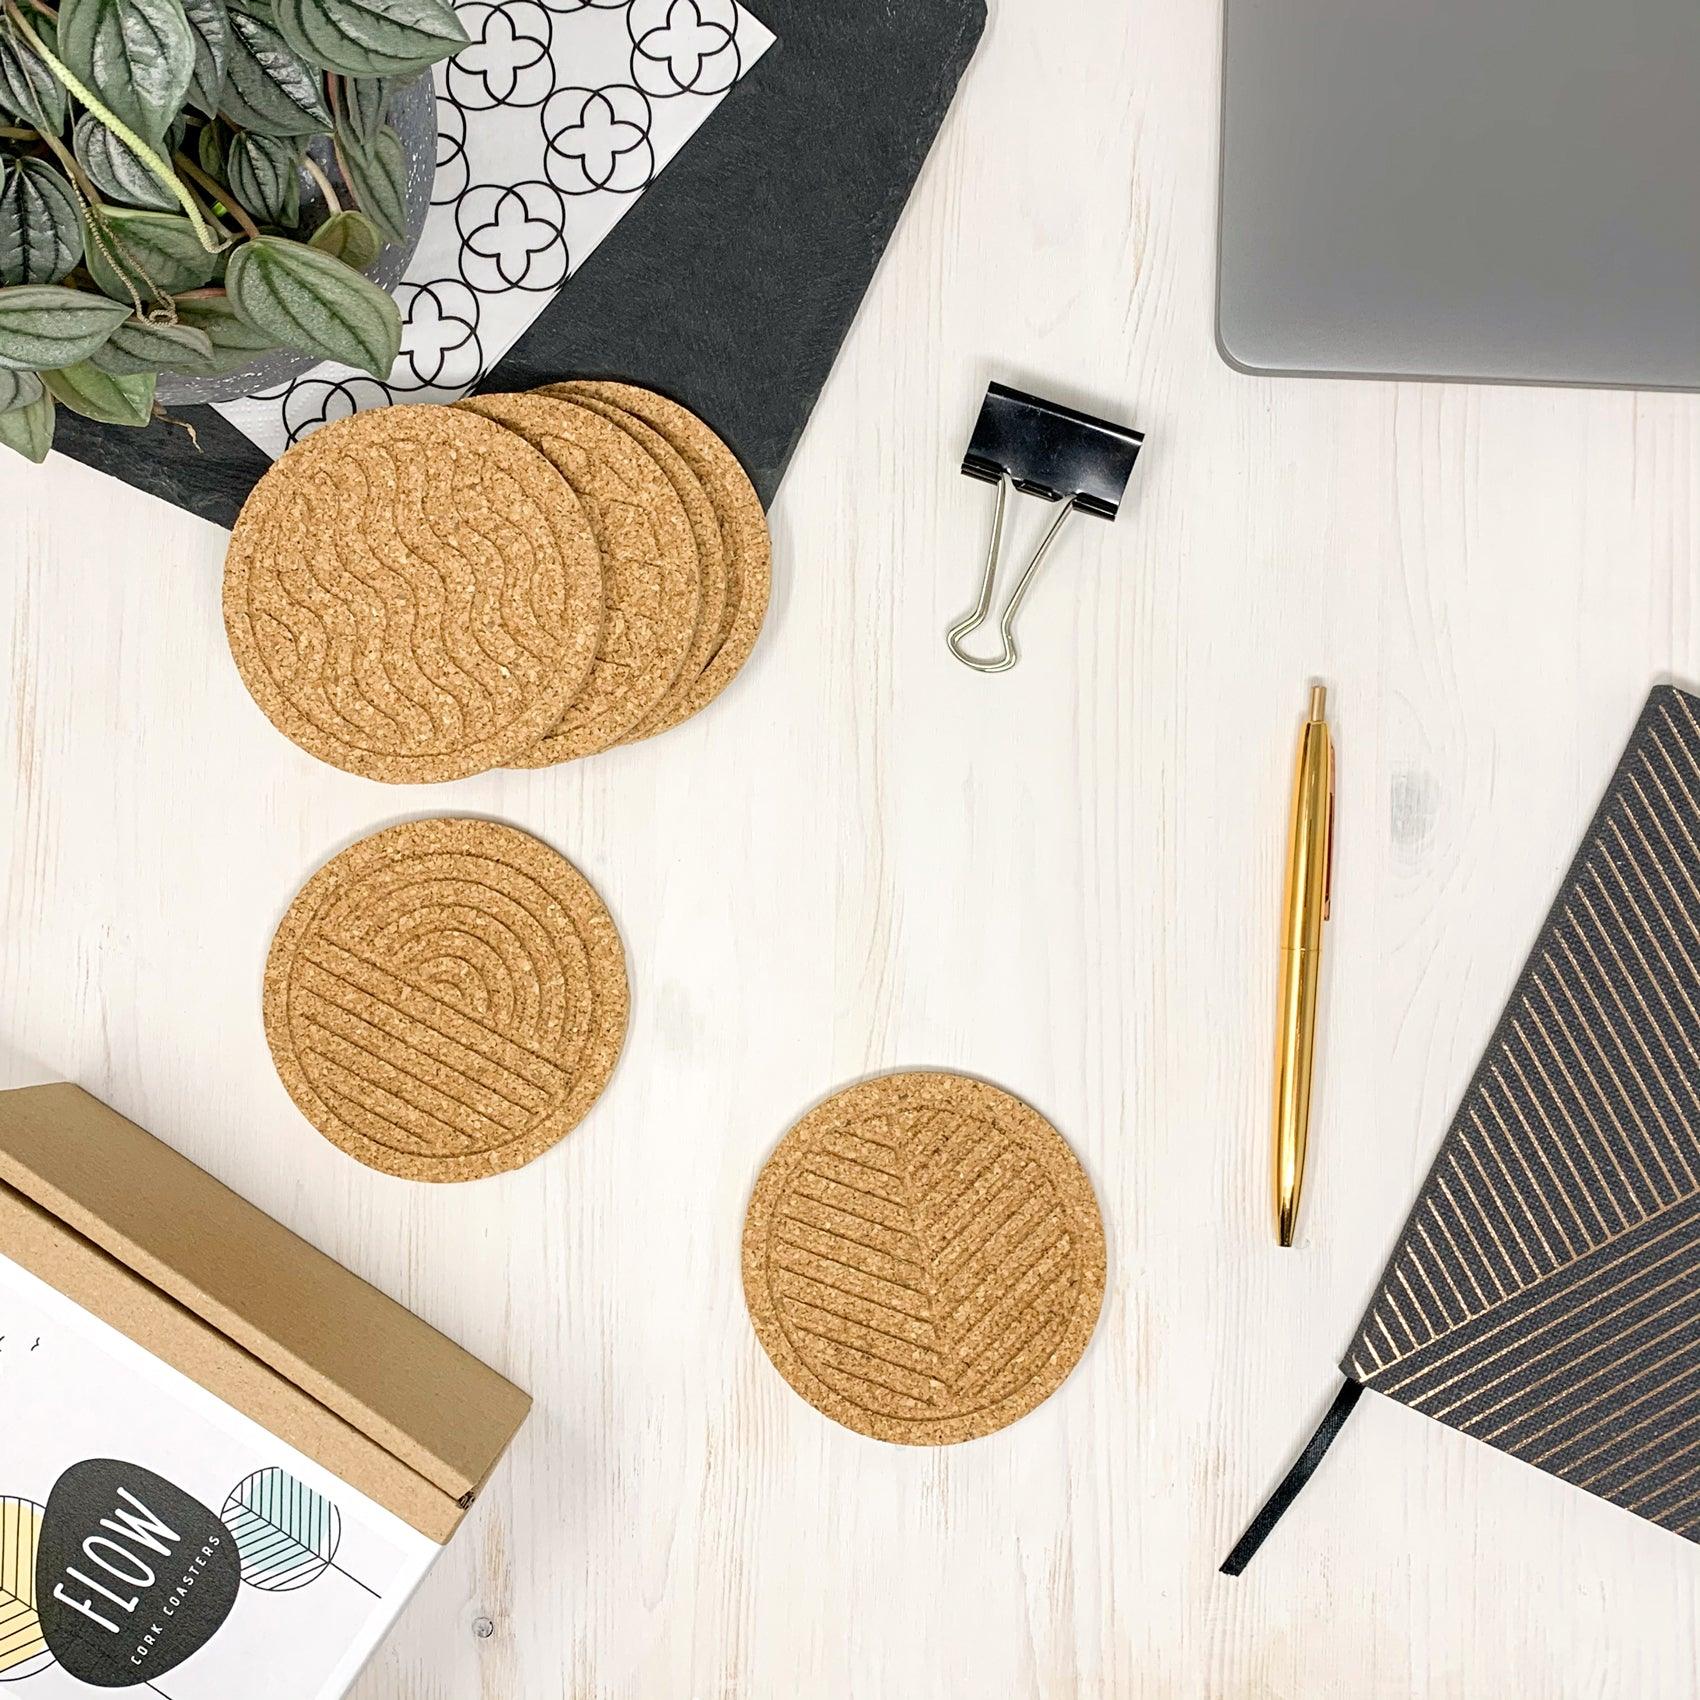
[(924, 1259), (446, 999)]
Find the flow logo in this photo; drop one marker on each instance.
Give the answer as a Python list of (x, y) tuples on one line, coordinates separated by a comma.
[(132, 1575)]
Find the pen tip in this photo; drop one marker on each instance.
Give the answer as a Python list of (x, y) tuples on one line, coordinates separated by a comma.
[(1318, 701)]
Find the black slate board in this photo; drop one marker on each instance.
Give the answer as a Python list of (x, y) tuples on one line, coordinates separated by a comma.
[(733, 281)]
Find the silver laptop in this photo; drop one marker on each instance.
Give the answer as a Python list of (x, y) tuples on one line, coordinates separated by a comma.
[(1491, 189)]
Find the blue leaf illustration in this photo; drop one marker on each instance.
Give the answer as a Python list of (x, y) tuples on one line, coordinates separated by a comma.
[(286, 1534)]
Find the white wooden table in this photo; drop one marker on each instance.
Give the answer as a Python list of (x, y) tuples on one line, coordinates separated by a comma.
[(1065, 879)]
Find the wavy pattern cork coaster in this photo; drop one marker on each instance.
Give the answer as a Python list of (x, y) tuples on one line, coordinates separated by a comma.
[(446, 999), (420, 593), (651, 573), (413, 595), (924, 1259), (743, 524)]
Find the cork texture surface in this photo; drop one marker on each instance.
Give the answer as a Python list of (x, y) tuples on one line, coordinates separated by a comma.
[(446, 999), (712, 607), (924, 1258), (743, 524), (414, 594), (651, 574)]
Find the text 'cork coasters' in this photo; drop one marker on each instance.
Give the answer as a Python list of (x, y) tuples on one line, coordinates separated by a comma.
[(446, 999), (924, 1259), (414, 594)]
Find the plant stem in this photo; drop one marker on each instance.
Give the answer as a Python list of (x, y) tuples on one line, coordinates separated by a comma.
[(116, 125), (219, 193), (324, 183), (17, 133)]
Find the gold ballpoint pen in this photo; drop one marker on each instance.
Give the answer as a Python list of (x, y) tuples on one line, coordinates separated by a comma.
[(1310, 878)]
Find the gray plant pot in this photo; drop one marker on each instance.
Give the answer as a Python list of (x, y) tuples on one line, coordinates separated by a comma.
[(413, 113)]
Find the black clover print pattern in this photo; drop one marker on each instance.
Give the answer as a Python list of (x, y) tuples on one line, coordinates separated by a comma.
[(684, 46), (598, 139), (311, 402), (507, 61), (551, 121), (453, 171), (512, 237), (439, 340)]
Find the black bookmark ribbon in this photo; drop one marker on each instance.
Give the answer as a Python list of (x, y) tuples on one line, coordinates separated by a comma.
[(1304, 1467)]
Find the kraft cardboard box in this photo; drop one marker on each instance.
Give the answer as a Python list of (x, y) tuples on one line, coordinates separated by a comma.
[(225, 1461)]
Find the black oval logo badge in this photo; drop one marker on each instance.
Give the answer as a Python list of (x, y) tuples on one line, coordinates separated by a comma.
[(132, 1575)]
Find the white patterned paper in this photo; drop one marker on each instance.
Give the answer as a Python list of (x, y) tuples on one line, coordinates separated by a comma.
[(551, 123)]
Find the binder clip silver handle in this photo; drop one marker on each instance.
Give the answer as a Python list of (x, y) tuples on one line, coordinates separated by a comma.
[(1042, 449), (977, 615)]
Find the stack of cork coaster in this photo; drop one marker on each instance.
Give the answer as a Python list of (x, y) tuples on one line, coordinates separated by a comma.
[(417, 594), (446, 999)]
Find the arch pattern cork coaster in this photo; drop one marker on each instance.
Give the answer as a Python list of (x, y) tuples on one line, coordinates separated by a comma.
[(924, 1258), (421, 593), (446, 999), (413, 595)]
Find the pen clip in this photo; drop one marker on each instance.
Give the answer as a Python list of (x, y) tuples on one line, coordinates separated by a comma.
[(1328, 864)]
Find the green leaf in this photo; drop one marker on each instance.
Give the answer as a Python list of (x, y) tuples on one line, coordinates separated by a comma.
[(95, 394), (41, 230), (159, 253), (209, 149), (137, 55), (18, 389), (364, 102), (308, 300), (371, 38), (44, 325), (265, 177), (377, 175), (350, 237), (115, 169), (267, 87), (138, 345), (210, 25), (29, 429), (28, 89), (235, 343)]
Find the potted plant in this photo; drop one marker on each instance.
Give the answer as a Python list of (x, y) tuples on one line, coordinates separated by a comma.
[(188, 185)]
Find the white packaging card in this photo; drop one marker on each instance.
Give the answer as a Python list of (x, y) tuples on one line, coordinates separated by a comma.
[(154, 1540)]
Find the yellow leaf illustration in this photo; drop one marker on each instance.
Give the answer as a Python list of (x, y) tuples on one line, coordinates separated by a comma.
[(22, 1650)]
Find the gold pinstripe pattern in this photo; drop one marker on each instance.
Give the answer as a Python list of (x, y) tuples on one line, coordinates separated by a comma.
[(1545, 1293)]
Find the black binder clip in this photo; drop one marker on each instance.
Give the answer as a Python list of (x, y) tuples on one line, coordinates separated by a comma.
[(1049, 451)]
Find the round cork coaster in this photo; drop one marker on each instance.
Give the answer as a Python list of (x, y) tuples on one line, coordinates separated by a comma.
[(413, 594), (743, 523), (924, 1259), (711, 552), (651, 573), (446, 999)]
